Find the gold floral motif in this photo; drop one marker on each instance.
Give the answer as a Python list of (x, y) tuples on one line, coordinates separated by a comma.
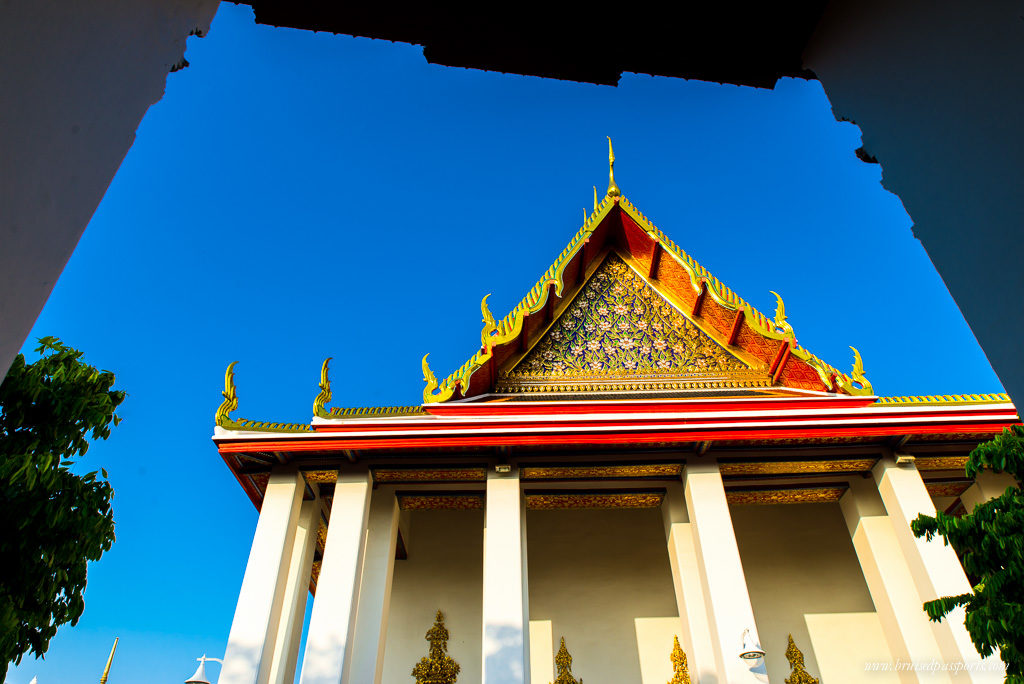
[(619, 325), (438, 667), (429, 475), (440, 502), (321, 536), (784, 467), (940, 462), (544, 502), (680, 672), (598, 472), (798, 674), (785, 496), (563, 666)]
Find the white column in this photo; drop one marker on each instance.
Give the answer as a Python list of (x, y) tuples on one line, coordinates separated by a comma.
[(933, 565), (375, 588), (250, 648), (289, 632), (725, 587), (889, 581), (695, 632), (328, 655), (506, 657), (987, 485)]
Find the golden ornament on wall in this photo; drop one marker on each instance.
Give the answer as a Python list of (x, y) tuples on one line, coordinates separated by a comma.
[(796, 663), (438, 667), (680, 671), (563, 667)]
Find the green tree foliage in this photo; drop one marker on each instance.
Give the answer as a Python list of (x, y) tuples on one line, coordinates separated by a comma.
[(990, 542), (54, 521)]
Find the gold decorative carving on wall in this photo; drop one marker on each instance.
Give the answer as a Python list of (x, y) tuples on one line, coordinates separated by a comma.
[(947, 488), (440, 502), (320, 476), (438, 667), (785, 496), (563, 666), (940, 462), (600, 471), (314, 576), (542, 502), (618, 326), (798, 674), (680, 672), (429, 474), (785, 467)]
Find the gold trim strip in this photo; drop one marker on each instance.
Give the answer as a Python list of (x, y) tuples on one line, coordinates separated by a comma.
[(440, 502), (600, 472), (547, 502), (429, 475), (940, 462), (853, 465), (948, 399), (785, 496)]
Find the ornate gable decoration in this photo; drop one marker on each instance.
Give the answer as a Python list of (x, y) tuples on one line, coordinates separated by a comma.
[(767, 346), (621, 333)]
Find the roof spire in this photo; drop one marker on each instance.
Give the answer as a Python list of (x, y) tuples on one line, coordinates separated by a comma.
[(595, 198), (613, 189)]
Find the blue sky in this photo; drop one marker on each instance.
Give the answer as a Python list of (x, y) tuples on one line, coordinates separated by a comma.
[(296, 196)]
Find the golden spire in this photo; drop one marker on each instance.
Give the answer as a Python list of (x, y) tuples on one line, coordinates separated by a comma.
[(613, 189), (563, 666), (796, 663), (106, 670), (680, 672), (595, 198), (438, 667)]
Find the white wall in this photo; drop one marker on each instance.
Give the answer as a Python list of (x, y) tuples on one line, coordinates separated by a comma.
[(593, 573), (76, 78), (443, 571), (937, 88), (798, 559)]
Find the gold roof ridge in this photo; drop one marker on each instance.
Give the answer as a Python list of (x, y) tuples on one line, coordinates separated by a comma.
[(996, 398)]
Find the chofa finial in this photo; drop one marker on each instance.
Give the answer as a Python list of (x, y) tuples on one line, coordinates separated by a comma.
[(613, 189), (321, 400)]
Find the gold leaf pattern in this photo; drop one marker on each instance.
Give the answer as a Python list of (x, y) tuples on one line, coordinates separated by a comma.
[(620, 326)]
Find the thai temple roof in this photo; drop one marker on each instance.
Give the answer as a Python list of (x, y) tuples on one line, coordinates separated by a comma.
[(622, 312)]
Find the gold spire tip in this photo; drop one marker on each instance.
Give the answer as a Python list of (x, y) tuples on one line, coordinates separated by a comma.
[(613, 189)]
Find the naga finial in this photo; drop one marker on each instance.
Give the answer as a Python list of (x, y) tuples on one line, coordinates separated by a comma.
[(613, 189), (798, 674), (595, 198), (680, 671), (858, 373), (230, 395), (490, 325), (780, 316), (320, 403)]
